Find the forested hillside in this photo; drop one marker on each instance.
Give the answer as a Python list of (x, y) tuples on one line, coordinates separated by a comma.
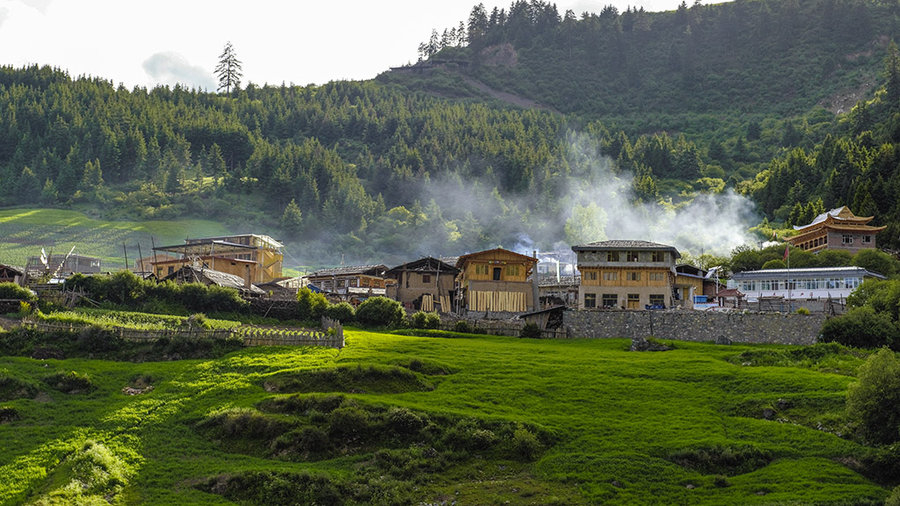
[(655, 110)]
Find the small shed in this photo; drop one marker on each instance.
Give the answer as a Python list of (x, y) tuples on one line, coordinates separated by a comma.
[(12, 274), (546, 319)]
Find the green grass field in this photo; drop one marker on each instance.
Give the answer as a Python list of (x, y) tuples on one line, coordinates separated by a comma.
[(614, 426), (23, 232)]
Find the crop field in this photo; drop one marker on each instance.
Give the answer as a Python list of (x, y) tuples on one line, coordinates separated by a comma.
[(408, 420), (23, 232)]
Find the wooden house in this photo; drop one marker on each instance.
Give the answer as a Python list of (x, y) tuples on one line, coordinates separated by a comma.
[(345, 281), (626, 274), (427, 284), (836, 229), (63, 265), (496, 280), (12, 274), (255, 258), (693, 284)]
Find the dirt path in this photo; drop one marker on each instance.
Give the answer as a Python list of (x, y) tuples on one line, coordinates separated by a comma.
[(509, 98)]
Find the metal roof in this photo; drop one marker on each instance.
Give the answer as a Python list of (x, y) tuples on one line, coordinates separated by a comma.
[(807, 272), (349, 270)]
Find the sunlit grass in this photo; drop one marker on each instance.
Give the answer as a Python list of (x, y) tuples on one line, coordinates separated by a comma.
[(616, 417)]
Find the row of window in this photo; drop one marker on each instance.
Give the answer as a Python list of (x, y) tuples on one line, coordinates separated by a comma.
[(630, 276), (611, 300), (634, 256), (799, 284), (485, 270)]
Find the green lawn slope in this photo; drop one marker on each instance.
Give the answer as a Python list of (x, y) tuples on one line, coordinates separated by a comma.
[(686, 426)]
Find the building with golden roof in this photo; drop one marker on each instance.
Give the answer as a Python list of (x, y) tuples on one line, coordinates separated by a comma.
[(836, 229)]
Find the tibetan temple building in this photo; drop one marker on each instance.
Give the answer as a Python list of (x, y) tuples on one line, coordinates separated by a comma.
[(836, 229)]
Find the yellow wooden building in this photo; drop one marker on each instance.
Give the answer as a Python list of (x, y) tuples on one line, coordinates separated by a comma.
[(836, 229), (496, 280), (626, 274), (254, 258)]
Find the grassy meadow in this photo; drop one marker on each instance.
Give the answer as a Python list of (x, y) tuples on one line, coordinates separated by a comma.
[(24, 231), (406, 419)]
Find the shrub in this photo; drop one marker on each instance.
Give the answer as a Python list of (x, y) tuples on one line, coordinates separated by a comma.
[(417, 320), (14, 388), (342, 312), (722, 459), (531, 331), (8, 415), (16, 292), (894, 498), (380, 312), (348, 422), (874, 400), (313, 439), (432, 321), (240, 423), (861, 327), (462, 326), (802, 310), (525, 444), (404, 421), (197, 321), (310, 305), (70, 382)]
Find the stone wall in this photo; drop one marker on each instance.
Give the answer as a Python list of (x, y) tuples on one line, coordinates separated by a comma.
[(738, 327)]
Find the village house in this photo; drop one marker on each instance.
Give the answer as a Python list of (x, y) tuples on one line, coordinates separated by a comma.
[(347, 281), (626, 274), (836, 229), (496, 280), (255, 258), (427, 284)]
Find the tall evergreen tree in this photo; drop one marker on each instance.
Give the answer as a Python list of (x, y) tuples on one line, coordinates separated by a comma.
[(229, 69)]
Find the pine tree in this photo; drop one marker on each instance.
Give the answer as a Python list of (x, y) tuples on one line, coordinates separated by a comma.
[(292, 218), (229, 69)]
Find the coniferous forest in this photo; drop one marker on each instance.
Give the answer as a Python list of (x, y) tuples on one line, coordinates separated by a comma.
[(793, 105)]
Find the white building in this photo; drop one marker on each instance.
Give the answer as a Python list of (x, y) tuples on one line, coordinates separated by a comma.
[(800, 284)]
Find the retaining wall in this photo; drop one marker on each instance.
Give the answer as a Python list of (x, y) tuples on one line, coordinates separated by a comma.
[(740, 327)]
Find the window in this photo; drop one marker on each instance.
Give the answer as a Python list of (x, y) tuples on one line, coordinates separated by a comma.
[(867, 239), (846, 239), (512, 270), (657, 299), (657, 276), (658, 256), (610, 276), (590, 275), (426, 278), (612, 256), (481, 269), (590, 300), (632, 256), (171, 269), (634, 276), (498, 272), (610, 300)]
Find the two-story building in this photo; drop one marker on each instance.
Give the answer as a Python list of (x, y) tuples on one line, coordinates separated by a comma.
[(427, 284), (836, 229), (255, 258), (626, 274), (348, 280), (496, 280)]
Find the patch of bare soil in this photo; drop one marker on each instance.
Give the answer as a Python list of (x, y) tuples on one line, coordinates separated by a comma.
[(844, 100), (509, 98)]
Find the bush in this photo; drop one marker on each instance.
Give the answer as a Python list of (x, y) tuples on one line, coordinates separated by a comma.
[(197, 321), (463, 326), (404, 421), (310, 305), (432, 321), (14, 388), (874, 400), (525, 443), (348, 423), (861, 327), (342, 312), (15, 292), (380, 312), (802, 310), (70, 382), (894, 498), (531, 331)]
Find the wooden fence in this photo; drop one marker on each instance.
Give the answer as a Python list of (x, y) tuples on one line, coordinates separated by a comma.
[(331, 334)]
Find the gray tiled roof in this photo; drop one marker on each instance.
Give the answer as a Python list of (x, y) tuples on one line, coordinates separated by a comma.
[(347, 270), (620, 244)]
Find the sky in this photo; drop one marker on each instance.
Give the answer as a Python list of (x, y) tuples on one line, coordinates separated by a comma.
[(164, 42)]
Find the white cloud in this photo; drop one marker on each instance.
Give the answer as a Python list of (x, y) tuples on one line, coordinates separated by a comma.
[(4, 13), (40, 5), (171, 68)]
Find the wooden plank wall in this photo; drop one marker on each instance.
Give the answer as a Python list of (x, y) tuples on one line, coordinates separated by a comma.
[(497, 301)]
